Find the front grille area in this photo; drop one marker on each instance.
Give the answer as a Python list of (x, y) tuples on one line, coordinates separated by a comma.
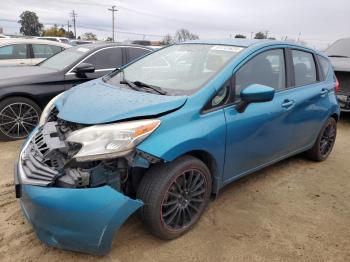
[(43, 158)]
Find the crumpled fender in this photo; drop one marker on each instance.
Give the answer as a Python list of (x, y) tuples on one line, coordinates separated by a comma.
[(83, 220)]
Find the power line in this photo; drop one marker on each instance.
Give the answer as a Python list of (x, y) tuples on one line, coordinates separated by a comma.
[(74, 16), (113, 10)]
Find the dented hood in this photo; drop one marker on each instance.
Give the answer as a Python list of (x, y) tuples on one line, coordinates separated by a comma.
[(96, 102)]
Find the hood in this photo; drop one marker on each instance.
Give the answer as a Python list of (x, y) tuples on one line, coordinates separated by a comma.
[(340, 63), (96, 102), (23, 74)]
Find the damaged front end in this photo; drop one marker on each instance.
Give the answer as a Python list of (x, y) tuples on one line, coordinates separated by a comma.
[(343, 94), (77, 198)]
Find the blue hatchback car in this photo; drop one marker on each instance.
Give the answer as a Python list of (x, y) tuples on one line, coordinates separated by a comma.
[(164, 133)]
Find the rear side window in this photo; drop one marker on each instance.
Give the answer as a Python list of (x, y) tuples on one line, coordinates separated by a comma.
[(45, 51), (304, 68), (109, 58), (324, 63), (13, 52), (134, 53), (267, 68)]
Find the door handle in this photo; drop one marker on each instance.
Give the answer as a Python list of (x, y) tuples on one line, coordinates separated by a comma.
[(324, 91), (287, 104)]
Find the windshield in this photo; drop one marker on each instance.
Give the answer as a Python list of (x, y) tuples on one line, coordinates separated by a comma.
[(64, 58), (178, 69)]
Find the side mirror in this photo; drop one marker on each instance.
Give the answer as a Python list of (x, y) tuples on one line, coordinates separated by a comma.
[(84, 68), (255, 93)]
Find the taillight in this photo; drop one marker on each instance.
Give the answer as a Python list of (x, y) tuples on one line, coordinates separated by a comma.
[(337, 85)]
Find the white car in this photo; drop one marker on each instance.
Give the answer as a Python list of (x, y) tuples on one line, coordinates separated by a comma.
[(18, 51), (3, 36), (64, 40)]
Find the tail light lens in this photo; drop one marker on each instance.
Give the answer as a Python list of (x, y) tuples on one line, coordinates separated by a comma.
[(337, 85)]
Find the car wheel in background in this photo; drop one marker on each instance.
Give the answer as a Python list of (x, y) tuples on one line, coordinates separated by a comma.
[(325, 141), (18, 117), (175, 195)]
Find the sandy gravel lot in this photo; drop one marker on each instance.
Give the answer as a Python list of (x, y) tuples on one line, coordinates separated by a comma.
[(296, 210)]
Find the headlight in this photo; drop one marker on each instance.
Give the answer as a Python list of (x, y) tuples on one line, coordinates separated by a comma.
[(112, 140), (47, 110)]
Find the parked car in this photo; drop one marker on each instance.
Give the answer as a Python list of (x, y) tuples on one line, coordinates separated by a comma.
[(339, 53), (24, 91), (163, 141), (80, 42), (3, 36), (17, 51), (64, 40)]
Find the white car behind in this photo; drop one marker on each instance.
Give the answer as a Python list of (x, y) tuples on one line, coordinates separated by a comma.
[(18, 51)]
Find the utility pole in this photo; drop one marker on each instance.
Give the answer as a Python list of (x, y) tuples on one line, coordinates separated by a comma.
[(113, 10), (68, 27), (74, 16), (267, 34)]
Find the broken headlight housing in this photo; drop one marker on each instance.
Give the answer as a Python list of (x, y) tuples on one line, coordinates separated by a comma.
[(111, 140), (47, 110)]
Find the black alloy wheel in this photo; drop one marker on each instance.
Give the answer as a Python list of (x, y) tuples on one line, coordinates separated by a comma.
[(175, 195), (325, 141)]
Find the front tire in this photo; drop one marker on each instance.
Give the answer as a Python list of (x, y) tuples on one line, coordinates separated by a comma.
[(18, 117), (325, 142), (175, 195)]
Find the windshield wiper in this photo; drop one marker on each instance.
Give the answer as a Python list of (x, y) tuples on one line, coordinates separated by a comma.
[(158, 89), (130, 84)]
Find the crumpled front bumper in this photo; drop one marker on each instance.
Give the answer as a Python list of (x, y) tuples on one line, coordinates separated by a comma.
[(344, 101), (83, 220)]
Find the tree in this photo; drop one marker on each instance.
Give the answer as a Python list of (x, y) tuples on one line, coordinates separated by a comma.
[(240, 36), (89, 36), (182, 35), (55, 31), (70, 35), (167, 40), (30, 24), (260, 35)]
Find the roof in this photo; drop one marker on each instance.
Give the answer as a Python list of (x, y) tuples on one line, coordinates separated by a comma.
[(243, 42), (7, 41)]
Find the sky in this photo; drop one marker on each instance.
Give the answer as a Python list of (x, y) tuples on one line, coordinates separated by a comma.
[(317, 22)]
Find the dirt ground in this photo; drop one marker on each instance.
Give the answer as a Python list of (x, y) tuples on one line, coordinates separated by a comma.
[(296, 210)]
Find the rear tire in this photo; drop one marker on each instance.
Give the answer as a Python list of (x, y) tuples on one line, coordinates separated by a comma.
[(175, 195), (325, 141), (18, 117)]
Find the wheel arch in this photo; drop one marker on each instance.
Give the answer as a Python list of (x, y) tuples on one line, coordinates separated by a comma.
[(24, 95), (212, 165)]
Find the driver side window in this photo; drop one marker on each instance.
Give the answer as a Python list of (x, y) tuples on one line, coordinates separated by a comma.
[(267, 68)]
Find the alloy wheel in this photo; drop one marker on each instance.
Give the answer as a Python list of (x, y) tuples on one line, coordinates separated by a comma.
[(184, 200), (328, 139), (17, 120)]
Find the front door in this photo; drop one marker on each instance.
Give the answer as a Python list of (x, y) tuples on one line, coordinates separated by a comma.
[(258, 135)]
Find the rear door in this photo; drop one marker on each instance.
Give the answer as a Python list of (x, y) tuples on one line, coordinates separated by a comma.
[(15, 54), (259, 135), (309, 96), (104, 60)]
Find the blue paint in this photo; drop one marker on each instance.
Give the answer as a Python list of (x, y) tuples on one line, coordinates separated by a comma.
[(237, 143), (83, 220), (96, 102)]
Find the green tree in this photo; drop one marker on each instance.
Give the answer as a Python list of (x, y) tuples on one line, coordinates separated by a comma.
[(260, 35), (240, 36), (55, 31), (30, 24), (89, 36)]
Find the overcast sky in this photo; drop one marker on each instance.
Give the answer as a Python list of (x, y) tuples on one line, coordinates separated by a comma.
[(318, 21)]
